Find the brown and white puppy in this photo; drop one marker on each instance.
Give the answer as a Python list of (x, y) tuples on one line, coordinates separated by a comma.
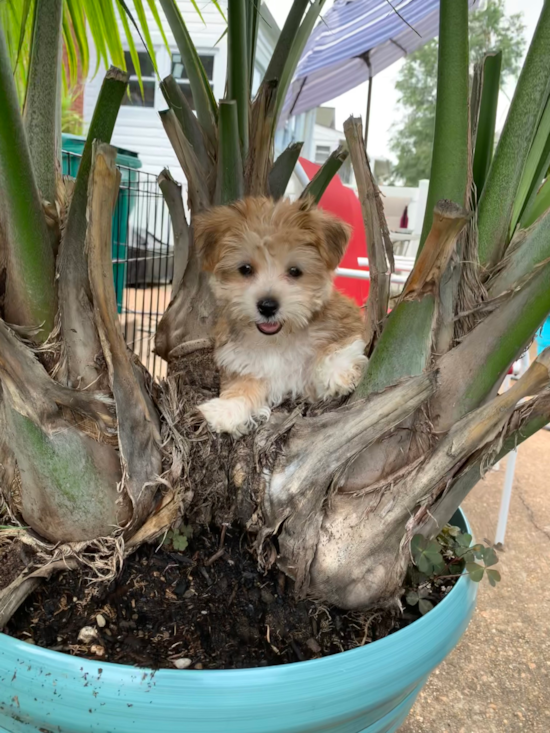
[(282, 330)]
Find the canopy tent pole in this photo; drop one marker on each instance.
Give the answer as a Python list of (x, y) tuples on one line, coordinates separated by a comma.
[(366, 59), (367, 121)]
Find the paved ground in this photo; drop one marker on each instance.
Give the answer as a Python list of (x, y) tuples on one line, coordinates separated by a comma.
[(143, 308), (498, 679)]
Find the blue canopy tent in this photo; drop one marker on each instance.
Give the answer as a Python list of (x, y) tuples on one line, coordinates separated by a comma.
[(354, 41)]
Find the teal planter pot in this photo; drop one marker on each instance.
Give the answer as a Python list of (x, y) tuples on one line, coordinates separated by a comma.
[(370, 689)]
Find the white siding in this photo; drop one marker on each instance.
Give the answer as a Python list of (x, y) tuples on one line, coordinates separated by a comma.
[(264, 48), (327, 137), (139, 128)]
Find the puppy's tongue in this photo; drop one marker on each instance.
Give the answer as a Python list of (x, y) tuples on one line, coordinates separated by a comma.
[(269, 328)]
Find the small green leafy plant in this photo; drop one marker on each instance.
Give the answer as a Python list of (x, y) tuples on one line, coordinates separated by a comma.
[(178, 539), (447, 556)]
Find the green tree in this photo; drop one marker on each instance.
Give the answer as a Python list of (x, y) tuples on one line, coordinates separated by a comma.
[(412, 140)]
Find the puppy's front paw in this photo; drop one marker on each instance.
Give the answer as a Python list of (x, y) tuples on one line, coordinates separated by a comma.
[(231, 415), (226, 415), (339, 372)]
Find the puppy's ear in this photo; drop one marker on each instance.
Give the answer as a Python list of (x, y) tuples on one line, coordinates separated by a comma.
[(208, 229), (306, 204), (211, 228), (336, 235)]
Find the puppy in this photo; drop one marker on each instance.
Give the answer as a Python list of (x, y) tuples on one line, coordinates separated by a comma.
[(282, 330)]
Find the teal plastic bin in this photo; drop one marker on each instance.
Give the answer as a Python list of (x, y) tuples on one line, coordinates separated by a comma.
[(129, 163)]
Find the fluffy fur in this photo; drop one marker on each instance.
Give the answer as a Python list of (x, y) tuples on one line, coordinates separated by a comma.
[(282, 330)]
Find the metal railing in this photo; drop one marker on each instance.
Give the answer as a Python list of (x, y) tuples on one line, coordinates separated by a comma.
[(143, 258)]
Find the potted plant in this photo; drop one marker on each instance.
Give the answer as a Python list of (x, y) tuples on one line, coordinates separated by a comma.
[(88, 444)]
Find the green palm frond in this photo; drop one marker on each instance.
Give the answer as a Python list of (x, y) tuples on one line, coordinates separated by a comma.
[(106, 13), (155, 13), (131, 45), (25, 15), (17, 32), (73, 15), (71, 73)]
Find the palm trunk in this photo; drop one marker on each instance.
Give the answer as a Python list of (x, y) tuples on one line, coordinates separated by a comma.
[(80, 341), (25, 247), (42, 105)]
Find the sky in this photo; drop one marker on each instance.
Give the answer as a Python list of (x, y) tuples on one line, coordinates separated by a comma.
[(385, 107)]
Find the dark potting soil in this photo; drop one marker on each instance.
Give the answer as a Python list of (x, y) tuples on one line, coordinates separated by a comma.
[(214, 609), (14, 558)]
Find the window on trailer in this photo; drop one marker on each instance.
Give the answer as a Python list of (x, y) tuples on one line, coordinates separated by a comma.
[(134, 96), (259, 73), (180, 75), (322, 152)]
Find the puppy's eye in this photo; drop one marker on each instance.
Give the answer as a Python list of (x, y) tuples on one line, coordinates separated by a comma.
[(246, 270), (294, 272)]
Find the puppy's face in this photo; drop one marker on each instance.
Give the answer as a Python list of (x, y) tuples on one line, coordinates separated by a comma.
[(272, 264)]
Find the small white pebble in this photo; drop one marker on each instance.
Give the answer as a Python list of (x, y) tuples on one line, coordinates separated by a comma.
[(97, 650), (182, 663), (100, 620), (314, 645), (87, 634)]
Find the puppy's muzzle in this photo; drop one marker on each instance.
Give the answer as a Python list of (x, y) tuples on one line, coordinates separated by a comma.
[(267, 307)]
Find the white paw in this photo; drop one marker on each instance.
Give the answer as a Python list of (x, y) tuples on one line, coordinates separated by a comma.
[(232, 415), (339, 373)]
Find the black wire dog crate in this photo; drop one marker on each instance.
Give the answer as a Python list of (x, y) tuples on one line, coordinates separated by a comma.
[(143, 258)]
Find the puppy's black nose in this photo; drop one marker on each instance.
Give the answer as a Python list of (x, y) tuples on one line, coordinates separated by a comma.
[(268, 307)]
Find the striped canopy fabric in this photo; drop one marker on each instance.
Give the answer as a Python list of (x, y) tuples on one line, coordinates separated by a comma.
[(356, 40)]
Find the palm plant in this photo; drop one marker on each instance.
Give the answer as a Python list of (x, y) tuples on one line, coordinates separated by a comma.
[(94, 459)]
